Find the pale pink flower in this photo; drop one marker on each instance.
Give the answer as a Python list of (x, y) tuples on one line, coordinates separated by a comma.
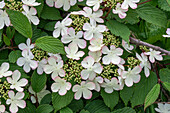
[(4, 70), (131, 3), (120, 11)]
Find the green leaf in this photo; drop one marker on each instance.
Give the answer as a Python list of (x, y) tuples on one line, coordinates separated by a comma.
[(163, 4), (46, 99), (30, 108), (20, 23), (66, 110), (38, 81), (40, 7), (14, 55), (111, 100), (126, 94), (167, 85), (76, 105), (45, 108), (60, 102), (50, 44), (118, 29), (152, 96), (125, 110), (10, 33), (18, 38), (84, 111), (1, 32), (6, 40), (165, 75), (50, 26), (158, 17), (168, 1), (50, 13), (97, 106), (142, 88)]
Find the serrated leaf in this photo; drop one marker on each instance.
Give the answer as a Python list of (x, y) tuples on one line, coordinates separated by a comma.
[(124, 110), (50, 44), (38, 82), (152, 96), (84, 111), (76, 105), (97, 106), (66, 110), (18, 38), (158, 17), (45, 108), (165, 75), (118, 29), (50, 13), (6, 40), (142, 88), (60, 102), (20, 23), (40, 7), (163, 4), (14, 55), (47, 99), (167, 85), (50, 26), (111, 100), (10, 33)]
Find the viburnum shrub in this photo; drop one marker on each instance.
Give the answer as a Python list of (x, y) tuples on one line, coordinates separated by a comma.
[(84, 56)]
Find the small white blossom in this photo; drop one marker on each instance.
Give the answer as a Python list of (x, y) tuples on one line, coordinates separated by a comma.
[(127, 46), (15, 101), (62, 27), (41, 65), (163, 108), (96, 55), (96, 44), (110, 85), (50, 3), (30, 13), (54, 67), (58, 56), (112, 55), (144, 63), (74, 38), (154, 55), (121, 82), (131, 3), (94, 3), (91, 68), (120, 11), (83, 89), (120, 65), (2, 4), (168, 33), (4, 70), (16, 83), (27, 46), (131, 76), (93, 30), (27, 61), (72, 52), (30, 2), (97, 81), (4, 19), (60, 86), (2, 108)]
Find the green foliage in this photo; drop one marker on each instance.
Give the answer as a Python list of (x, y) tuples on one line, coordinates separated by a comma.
[(30, 108), (152, 96), (20, 23), (50, 26), (14, 55), (40, 7), (6, 40), (124, 110), (167, 85), (45, 108), (38, 82), (165, 75), (163, 4), (47, 99), (76, 105), (66, 110)]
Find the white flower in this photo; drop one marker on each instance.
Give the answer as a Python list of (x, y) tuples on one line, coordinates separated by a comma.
[(83, 89), (144, 63), (131, 76), (16, 83), (110, 85), (121, 82), (168, 33), (120, 11), (27, 46), (4, 70), (50, 3), (120, 65), (96, 44), (54, 67), (58, 57), (72, 52), (2, 4), (2, 108), (154, 55), (131, 3), (98, 80), (60, 86), (15, 101), (4, 19), (127, 46), (93, 30), (96, 55), (74, 38), (91, 68), (112, 55), (94, 3), (163, 108), (30, 13), (27, 61), (39, 95), (41, 65), (30, 2), (61, 27)]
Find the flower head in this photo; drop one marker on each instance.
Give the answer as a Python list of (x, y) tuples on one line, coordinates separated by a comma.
[(41, 65), (163, 108), (168, 33), (96, 44), (4, 19), (126, 46), (15, 82), (94, 3), (2, 108), (96, 55), (60, 86), (131, 3), (15, 101), (120, 11), (98, 81), (50, 3), (27, 46), (4, 70), (31, 2), (83, 89), (2, 4)]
